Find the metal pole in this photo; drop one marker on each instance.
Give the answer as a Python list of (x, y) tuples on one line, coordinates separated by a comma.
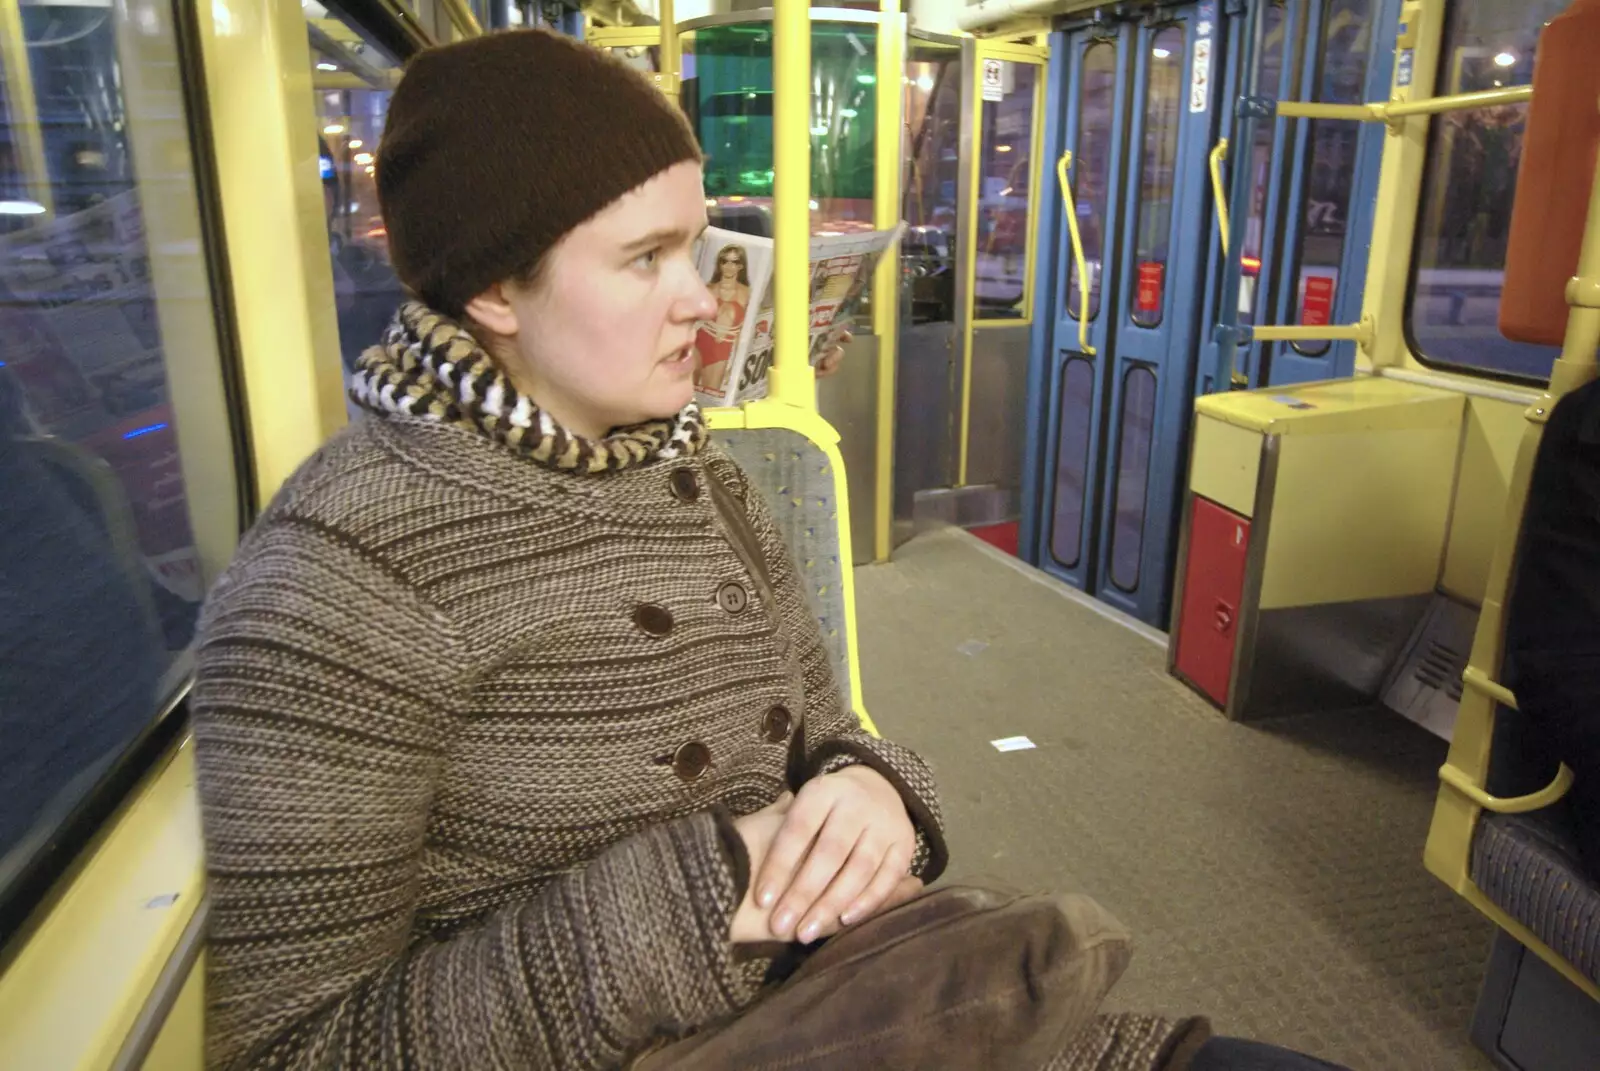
[(1229, 333), (28, 135), (792, 380), (886, 212)]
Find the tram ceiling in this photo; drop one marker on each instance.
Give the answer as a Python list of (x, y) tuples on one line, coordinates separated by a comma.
[(989, 15)]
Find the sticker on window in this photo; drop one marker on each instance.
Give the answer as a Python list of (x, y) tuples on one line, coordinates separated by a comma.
[(1200, 79), (994, 86)]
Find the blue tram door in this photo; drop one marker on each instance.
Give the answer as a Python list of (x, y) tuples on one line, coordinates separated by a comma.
[(1312, 183), (1139, 100), (1136, 106)]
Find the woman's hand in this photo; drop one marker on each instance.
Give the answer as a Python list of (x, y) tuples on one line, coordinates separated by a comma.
[(830, 361), (842, 854), (750, 920)]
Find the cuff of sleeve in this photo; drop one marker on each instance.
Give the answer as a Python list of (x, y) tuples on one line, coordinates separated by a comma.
[(931, 855), (679, 971)]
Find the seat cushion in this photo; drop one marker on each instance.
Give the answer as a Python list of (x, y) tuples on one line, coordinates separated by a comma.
[(1527, 864)]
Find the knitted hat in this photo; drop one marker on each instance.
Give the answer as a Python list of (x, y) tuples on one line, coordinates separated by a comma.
[(498, 146)]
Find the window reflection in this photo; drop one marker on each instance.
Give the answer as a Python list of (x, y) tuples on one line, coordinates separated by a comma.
[(1262, 163), (1157, 170), (1468, 190), (353, 83), (933, 173), (1091, 169), (1005, 170), (106, 321), (1331, 169), (726, 91)]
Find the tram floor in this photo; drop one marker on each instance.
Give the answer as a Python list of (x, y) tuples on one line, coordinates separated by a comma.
[(1271, 873)]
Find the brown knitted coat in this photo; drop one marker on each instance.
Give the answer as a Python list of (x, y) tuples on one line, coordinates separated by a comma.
[(473, 715)]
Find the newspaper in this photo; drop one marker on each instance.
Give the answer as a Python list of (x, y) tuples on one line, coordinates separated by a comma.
[(735, 348)]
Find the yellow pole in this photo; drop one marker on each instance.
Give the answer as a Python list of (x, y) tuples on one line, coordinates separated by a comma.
[(23, 106), (669, 48), (1576, 365), (970, 265), (886, 196), (792, 379)]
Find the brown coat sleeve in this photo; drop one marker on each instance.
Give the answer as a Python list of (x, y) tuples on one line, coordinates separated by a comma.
[(323, 705), (833, 734)]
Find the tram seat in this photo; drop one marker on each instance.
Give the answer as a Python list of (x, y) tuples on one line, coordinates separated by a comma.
[(1506, 831), (791, 456), (104, 498), (1527, 865)]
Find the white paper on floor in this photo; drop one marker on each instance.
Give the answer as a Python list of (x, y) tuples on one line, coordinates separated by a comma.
[(1012, 743)]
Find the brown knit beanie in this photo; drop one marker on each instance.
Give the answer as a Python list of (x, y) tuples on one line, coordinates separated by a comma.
[(498, 146)]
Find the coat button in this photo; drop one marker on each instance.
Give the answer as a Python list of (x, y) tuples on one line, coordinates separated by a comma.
[(685, 484), (733, 598), (776, 724), (691, 760), (655, 620)]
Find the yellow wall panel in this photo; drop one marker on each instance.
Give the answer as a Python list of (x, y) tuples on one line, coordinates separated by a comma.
[(1488, 450), (180, 1046), (1359, 516), (1226, 464)]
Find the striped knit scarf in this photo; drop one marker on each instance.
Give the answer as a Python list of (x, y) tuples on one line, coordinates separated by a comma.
[(431, 368)]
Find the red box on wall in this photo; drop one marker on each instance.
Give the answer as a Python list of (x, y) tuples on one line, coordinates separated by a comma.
[(1213, 581)]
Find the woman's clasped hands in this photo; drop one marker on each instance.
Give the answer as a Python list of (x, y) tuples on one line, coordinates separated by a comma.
[(834, 855)]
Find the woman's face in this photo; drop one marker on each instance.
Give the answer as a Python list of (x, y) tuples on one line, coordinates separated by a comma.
[(605, 338), (730, 262)]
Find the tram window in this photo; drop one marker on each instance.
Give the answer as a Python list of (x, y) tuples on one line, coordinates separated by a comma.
[(646, 58), (726, 90), (1005, 169), (119, 496), (1331, 168), (1091, 169), (353, 81), (1138, 423), (1262, 163), (1157, 167), (1072, 460), (1467, 193), (933, 165)]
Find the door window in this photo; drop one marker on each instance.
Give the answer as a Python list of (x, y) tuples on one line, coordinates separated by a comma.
[(1158, 170), (1091, 169)]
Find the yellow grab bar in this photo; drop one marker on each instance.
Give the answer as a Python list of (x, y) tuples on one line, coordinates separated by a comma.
[(1535, 801), (1219, 154), (1479, 681), (1077, 254)]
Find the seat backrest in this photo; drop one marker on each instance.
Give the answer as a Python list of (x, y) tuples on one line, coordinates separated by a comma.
[(797, 479)]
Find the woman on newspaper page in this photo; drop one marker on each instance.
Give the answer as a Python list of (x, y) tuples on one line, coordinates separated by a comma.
[(730, 285)]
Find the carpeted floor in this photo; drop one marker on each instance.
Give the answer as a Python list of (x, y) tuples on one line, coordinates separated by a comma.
[(1271, 873)]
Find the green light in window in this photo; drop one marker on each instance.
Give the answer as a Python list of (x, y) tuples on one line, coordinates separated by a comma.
[(848, 113), (867, 79)]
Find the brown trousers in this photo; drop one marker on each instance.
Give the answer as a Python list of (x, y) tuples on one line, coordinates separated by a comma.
[(964, 977)]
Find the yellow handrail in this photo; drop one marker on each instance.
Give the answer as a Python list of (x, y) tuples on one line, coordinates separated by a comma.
[(1536, 801), (1458, 102), (1077, 254), (1360, 333), (1219, 154), (1479, 681), (464, 19), (1387, 111)]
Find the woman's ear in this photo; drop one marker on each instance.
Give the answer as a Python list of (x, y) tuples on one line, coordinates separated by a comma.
[(492, 311)]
